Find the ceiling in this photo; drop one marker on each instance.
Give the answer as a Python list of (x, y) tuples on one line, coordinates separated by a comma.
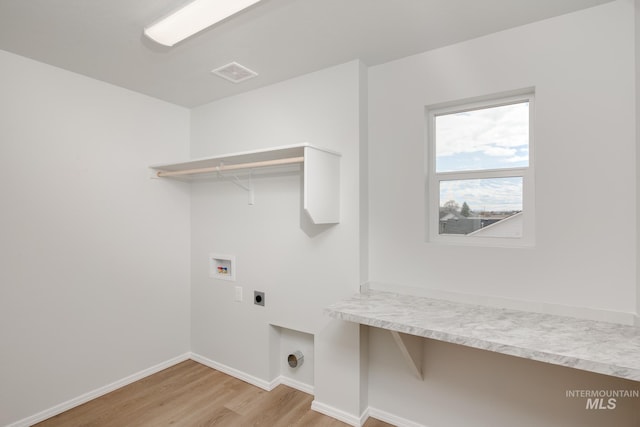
[(279, 39)]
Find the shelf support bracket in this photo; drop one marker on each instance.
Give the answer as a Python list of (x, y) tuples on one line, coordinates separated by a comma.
[(411, 348), (248, 188)]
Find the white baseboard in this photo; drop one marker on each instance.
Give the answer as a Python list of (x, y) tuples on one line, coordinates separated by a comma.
[(69, 404), (305, 388), (258, 382), (391, 418), (360, 421), (338, 414), (265, 385)]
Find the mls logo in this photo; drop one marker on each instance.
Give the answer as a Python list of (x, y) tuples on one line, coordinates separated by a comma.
[(599, 403)]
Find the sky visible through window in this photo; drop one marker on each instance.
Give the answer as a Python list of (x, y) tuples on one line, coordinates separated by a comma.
[(484, 195), (478, 140)]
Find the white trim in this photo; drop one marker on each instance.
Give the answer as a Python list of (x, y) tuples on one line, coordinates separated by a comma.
[(265, 385), (258, 382), (392, 419), (434, 178), (243, 376), (365, 416), (300, 386), (338, 414), (77, 401)]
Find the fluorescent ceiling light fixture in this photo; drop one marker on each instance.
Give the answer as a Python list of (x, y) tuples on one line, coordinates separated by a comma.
[(193, 18)]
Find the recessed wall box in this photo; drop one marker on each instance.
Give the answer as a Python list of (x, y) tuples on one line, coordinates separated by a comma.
[(222, 267), (258, 298)]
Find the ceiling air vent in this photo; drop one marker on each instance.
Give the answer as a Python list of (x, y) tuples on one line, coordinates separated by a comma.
[(234, 72)]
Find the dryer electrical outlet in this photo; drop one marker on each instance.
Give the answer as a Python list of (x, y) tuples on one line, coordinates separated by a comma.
[(258, 298)]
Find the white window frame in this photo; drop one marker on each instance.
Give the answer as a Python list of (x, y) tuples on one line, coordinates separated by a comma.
[(434, 178)]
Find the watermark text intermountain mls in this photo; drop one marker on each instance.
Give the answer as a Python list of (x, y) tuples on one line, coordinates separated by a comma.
[(603, 399)]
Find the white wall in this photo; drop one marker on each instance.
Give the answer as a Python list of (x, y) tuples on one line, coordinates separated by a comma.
[(94, 256), (463, 386), (96, 259), (582, 67), (637, 117), (302, 268)]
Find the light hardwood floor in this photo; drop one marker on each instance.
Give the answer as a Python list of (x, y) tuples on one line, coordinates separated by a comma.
[(190, 394)]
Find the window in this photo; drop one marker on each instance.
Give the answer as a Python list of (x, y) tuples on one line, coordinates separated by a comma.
[(480, 172)]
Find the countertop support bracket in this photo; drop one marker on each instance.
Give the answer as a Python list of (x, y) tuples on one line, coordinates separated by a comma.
[(411, 347)]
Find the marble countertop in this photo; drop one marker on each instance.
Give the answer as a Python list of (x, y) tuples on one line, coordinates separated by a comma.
[(602, 347)]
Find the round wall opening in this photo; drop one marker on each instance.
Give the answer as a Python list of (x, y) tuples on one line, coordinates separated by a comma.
[(295, 359)]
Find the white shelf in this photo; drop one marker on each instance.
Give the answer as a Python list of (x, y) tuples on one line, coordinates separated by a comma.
[(321, 173)]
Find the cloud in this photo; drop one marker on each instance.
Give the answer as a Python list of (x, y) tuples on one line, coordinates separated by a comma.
[(496, 151), (497, 137), (518, 159)]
